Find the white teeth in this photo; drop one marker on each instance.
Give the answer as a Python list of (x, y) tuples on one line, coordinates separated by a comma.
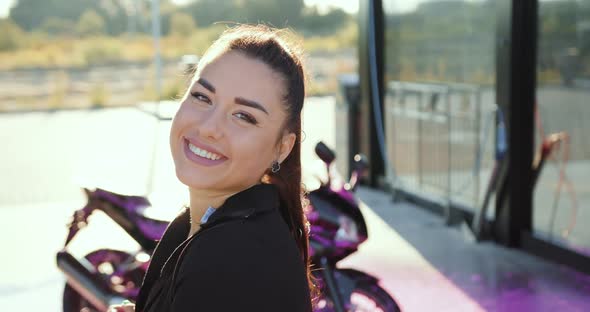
[(203, 153)]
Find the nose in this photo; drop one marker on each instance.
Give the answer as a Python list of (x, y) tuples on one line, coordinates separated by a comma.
[(211, 126)]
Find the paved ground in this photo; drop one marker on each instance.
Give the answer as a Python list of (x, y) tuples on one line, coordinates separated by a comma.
[(424, 264), (428, 266)]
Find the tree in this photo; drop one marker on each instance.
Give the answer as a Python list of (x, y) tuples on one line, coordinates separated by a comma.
[(57, 26), (278, 13), (90, 24), (30, 14), (181, 24), (206, 12), (321, 24), (11, 35)]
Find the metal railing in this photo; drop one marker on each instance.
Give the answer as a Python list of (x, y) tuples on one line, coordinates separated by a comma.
[(439, 140)]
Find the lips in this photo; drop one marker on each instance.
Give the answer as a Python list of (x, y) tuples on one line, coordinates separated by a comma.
[(202, 154), (203, 146)]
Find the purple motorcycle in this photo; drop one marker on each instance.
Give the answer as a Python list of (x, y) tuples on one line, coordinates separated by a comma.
[(107, 276), (337, 229)]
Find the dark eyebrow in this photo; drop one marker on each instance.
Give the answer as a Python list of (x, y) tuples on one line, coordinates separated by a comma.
[(239, 100), (206, 85), (249, 103)]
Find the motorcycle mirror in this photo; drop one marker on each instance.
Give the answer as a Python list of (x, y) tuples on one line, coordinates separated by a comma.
[(360, 162), (324, 153)]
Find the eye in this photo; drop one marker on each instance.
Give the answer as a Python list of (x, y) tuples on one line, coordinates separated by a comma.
[(246, 117), (201, 97)]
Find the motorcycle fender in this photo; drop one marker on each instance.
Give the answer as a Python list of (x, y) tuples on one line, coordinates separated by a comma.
[(347, 280)]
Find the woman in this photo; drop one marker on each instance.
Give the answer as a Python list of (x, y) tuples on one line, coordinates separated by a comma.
[(242, 243)]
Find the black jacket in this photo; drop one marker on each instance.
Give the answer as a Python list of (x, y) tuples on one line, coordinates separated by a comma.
[(242, 259)]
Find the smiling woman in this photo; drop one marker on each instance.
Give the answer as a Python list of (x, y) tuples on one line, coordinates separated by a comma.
[(242, 244), (233, 110)]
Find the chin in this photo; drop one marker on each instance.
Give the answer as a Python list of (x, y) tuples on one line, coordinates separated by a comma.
[(196, 180), (185, 177)]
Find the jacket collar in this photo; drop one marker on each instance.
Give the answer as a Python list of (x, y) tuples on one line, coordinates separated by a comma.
[(255, 200)]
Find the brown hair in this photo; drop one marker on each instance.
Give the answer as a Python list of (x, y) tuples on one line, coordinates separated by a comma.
[(270, 46)]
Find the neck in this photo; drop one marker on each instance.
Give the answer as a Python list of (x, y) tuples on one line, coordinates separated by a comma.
[(200, 200)]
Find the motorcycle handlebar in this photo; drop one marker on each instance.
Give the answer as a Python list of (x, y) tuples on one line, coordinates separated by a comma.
[(360, 164)]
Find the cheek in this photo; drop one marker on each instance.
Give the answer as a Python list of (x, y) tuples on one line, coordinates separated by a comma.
[(253, 149), (184, 117), (179, 122), (175, 127)]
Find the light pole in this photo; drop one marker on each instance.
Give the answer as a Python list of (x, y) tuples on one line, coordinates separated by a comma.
[(158, 86)]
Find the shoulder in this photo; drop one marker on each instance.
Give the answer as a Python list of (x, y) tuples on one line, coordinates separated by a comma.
[(236, 263), (235, 267), (263, 242)]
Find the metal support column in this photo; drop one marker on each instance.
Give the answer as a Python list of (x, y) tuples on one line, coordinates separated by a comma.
[(516, 81), (371, 19)]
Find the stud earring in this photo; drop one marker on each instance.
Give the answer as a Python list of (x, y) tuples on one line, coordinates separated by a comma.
[(275, 167)]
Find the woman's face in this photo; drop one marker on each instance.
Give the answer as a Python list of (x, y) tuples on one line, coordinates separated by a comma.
[(225, 134)]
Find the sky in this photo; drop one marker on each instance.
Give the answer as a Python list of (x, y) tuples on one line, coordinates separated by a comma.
[(350, 6), (5, 7)]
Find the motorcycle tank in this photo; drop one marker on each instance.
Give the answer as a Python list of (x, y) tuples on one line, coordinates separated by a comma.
[(337, 223)]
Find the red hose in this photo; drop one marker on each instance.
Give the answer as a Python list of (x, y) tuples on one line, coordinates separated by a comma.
[(549, 145)]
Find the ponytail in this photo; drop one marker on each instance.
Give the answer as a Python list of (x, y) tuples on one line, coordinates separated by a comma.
[(294, 204), (292, 196)]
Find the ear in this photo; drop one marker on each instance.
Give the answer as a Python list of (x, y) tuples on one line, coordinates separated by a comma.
[(286, 145)]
